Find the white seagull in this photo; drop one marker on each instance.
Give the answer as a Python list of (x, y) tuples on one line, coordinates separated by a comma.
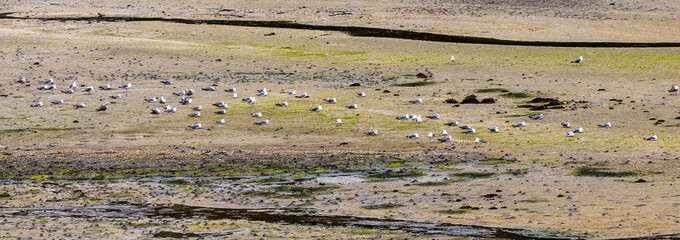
[(151, 100), (471, 131), (80, 105), (566, 124), (452, 124), (167, 108), (652, 138), (353, 106), (22, 80), (235, 95), (453, 58), (292, 92), (88, 89), (58, 101), (578, 130), (263, 122), (262, 93), (413, 136), (167, 82), (221, 121), (196, 126), (419, 119), (606, 125), (73, 85), (257, 115), (230, 90), (435, 116), (282, 104), (221, 112), (443, 133), (249, 100), (68, 91), (118, 96), (303, 95), (372, 132), (196, 114), (180, 93), (430, 135), (674, 89), (162, 100), (537, 117), (570, 134), (209, 89), (338, 121), (446, 139), (466, 127), (316, 109), (494, 130), (38, 104), (579, 60), (331, 100), (126, 86), (103, 107), (198, 108), (403, 117), (189, 92), (362, 94), (519, 124), (49, 81), (478, 140), (185, 101), (105, 87), (221, 105), (155, 111), (415, 101)]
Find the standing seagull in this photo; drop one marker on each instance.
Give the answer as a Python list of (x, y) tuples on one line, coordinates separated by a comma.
[(73, 85), (453, 58), (674, 89), (103, 107), (579, 60)]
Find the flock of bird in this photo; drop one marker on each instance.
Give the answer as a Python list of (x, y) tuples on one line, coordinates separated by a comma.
[(467, 129)]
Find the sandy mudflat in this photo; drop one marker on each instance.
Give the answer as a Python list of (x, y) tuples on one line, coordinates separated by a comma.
[(603, 183)]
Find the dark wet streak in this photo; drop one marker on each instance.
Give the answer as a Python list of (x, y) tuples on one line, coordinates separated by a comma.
[(359, 31), (302, 216)]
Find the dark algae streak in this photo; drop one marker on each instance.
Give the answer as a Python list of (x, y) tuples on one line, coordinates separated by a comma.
[(357, 31)]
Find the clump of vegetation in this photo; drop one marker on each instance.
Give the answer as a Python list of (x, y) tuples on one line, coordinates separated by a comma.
[(5, 195), (382, 206), (414, 84), (496, 161), (470, 99), (540, 103), (471, 175), (602, 172), (491, 90), (451, 101), (516, 95), (291, 192), (518, 172), (454, 211), (488, 101), (433, 183), (402, 173)]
